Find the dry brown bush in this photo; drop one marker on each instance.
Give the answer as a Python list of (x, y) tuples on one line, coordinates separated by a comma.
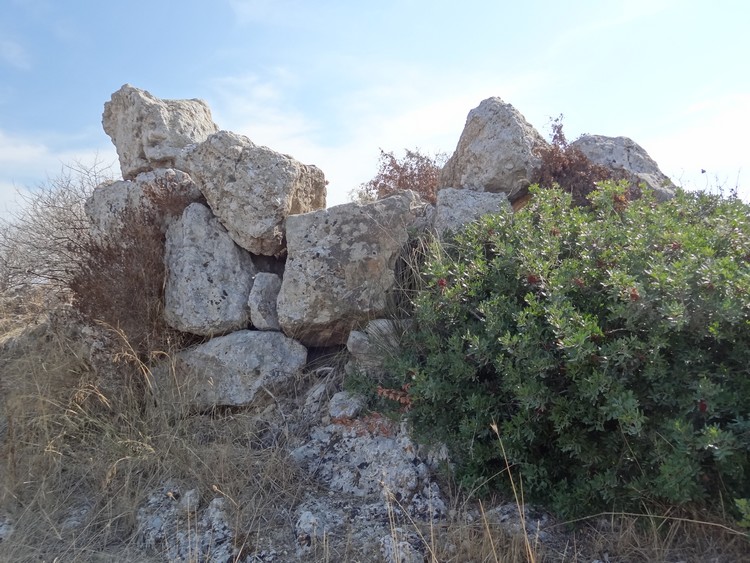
[(42, 241), (415, 171), (569, 168), (119, 277), (77, 461)]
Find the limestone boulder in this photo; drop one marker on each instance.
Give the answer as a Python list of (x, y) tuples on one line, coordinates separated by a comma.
[(164, 193), (622, 153), (456, 208), (149, 132), (162, 531), (262, 301), (236, 369), (209, 277), (371, 458), (497, 151), (341, 265), (252, 189)]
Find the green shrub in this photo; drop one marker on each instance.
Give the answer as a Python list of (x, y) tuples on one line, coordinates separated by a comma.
[(610, 345)]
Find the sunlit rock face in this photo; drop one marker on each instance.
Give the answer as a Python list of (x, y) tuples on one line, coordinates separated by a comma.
[(252, 189), (238, 369), (622, 153), (497, 151), (149, 133), (209, 277), (341, 264)]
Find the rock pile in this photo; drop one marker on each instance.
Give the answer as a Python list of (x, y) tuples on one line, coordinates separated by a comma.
[(258, 266)]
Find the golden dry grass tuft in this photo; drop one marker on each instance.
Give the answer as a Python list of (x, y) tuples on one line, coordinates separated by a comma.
[(80, 454)]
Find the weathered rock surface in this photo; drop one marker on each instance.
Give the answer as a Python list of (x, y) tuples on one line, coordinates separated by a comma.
[(163, 192), (209, 277), (341, 264), (172, 528), (345, 405), (400, 546), (149, 133), (252, 189), (234, 370), (371, 458), (624, 153), (378, 486), (341, 525), (262, 301), (497, 151), (456, 208)]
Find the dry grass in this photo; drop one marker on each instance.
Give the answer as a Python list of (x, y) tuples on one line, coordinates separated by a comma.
[(80, 455)]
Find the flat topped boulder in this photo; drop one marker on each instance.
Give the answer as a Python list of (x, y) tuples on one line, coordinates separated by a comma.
[(240, 369), (497, 151), (149, 132), (341, 265), (252, 189)]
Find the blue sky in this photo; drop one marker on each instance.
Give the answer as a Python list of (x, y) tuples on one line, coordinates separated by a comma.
[(331, 81)]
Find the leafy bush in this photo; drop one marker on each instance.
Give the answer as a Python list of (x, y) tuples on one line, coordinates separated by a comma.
[(415, 171), (609, 344)]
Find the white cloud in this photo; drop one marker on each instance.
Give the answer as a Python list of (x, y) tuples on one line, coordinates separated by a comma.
[(11, 199), (426, 112), (22, 159), (13, 54), (26, 164), (15, 151)]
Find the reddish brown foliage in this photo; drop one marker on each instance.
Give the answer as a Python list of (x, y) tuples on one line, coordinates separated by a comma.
[(569, 168), (374, 424), (119, 278), (400, 396), (416, 171)]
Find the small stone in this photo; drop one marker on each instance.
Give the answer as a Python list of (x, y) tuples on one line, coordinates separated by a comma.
[(345, 405)]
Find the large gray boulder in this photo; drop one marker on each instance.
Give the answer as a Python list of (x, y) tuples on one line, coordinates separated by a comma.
[(252, 189), (371, 458), (622, 153), (209, 278), (456, 208), (148, 132), (238, 369), (497, 151), (162, 193), (341, 265)]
